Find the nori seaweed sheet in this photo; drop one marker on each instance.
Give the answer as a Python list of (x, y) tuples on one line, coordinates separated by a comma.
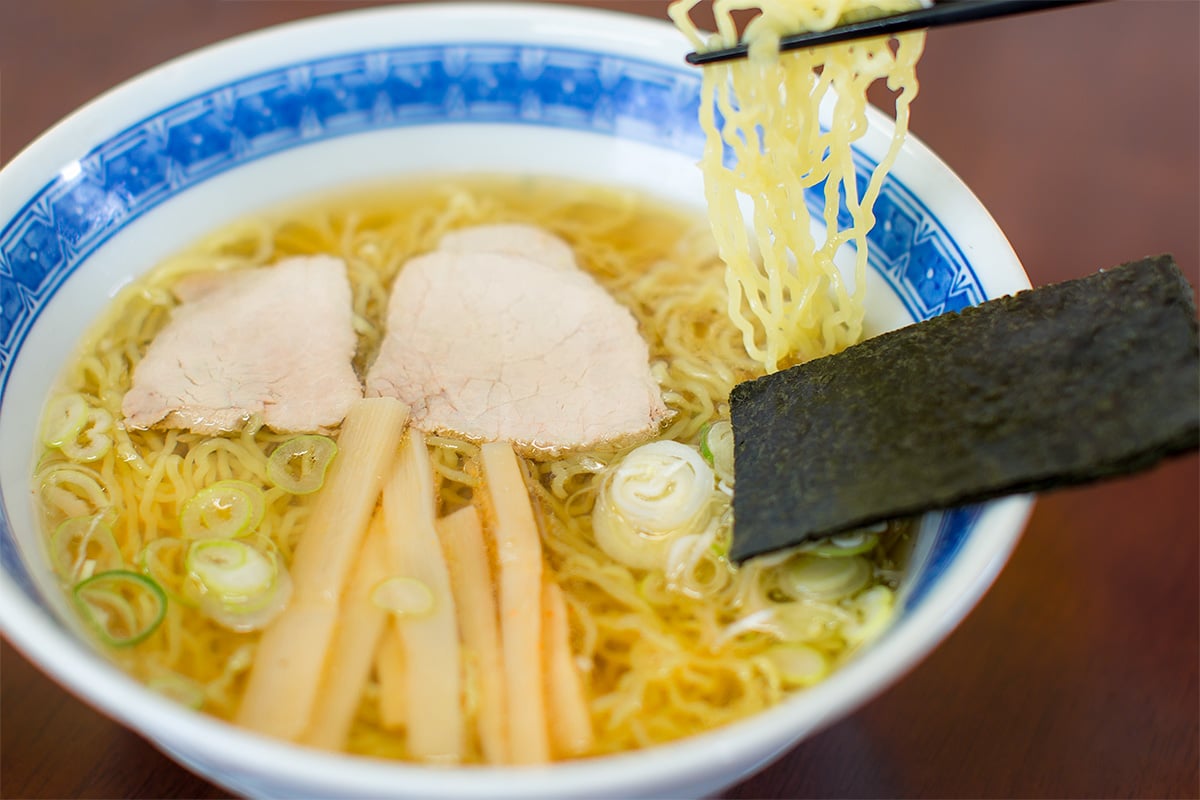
[(1060, 385)]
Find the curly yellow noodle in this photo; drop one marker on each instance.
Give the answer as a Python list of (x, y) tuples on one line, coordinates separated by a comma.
[(794, 304)]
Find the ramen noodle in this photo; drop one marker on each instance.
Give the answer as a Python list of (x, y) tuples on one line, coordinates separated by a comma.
[(766, 147)]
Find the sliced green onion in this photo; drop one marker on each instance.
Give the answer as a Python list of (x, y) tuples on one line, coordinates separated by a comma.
[(63, 419), (844, 544), (123, 607), (184, 691), (657, 493), (405, 596), (298, 465), (252, 614), (83, 546), (724, 538), (256, 496), (716, 445), (873, 609), (798, 664), (165, 560), (231, 569), (92, 442), (823, 578), (651, 586), (240, 588), (218, 511), (253, 425), (72, 490)]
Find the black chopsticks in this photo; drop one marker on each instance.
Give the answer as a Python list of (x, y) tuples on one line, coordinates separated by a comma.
[(947, 12)]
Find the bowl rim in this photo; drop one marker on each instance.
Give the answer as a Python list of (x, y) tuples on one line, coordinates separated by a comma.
[(75, 666)]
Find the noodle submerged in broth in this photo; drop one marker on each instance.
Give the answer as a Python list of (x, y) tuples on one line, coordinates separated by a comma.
[(178, 548), (662, 652)]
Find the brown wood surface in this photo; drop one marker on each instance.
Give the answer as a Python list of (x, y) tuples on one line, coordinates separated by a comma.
[(1077, 674)]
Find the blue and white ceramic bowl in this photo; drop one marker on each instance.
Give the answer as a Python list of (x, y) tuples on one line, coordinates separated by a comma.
[(149, 167)]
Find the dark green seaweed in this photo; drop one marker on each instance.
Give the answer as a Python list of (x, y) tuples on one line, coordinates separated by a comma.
[(1060, 385)]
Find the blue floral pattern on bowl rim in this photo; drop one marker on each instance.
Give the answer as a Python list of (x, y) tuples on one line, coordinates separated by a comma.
[(180, 146)]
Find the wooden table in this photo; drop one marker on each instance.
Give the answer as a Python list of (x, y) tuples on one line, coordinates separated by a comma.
[(1077, 674)]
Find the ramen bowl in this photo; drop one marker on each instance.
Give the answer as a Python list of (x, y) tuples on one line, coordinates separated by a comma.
[(490, 88)]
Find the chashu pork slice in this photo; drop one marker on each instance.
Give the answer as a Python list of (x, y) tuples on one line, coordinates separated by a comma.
[(511, 238), (500, 347), (275, 341)]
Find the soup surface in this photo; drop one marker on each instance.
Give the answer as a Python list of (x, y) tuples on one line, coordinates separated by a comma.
[(666, 637)]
